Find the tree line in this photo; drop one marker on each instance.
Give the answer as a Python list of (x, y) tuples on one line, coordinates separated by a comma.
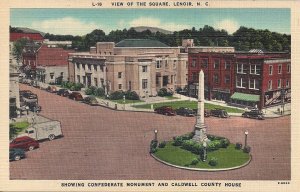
[(243, 39)]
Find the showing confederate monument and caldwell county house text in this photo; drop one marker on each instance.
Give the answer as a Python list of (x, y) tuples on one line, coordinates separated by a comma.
[(115, 94)]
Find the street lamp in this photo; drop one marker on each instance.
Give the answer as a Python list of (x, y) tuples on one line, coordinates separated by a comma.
[(124, 100), (204, 150), (155, 134), (246, 135)]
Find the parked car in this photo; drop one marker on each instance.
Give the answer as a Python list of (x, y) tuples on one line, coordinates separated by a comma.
[(25, 143), (206, 112), (90, 100), (34, 106), (16, 154), (76, 96), (219, 113), (51, 89), (63, 92), (165, 110), (185, 112), (255, 114)]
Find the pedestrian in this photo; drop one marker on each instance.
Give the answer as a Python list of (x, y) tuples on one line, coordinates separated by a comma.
[(27, 109)]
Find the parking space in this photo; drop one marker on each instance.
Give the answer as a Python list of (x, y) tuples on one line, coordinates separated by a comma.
[(101, 144)]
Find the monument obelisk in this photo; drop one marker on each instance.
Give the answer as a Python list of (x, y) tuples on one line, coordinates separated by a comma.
[(200, 128)]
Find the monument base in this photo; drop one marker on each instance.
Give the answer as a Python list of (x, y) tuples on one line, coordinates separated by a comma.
[(200, 133)]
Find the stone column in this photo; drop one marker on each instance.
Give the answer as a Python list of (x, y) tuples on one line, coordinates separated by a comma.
[(200, 128)]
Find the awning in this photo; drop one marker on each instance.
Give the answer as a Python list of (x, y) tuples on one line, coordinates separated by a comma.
[(245, 97)]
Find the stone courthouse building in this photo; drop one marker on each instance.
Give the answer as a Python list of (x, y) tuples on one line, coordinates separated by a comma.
[(139, 65)]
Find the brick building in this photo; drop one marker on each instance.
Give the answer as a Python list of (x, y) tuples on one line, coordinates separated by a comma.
[(242, 78)]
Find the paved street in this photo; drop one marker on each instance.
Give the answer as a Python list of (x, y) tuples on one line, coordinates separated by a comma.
[(102, 144)]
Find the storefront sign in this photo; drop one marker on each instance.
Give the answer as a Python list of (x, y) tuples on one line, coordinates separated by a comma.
[(275, 97)]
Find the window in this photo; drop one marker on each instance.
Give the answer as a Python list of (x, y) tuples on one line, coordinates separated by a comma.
[(144, 83), (216, 63), (204, 63), (157, 81), (89, 67), (287, 83), (77, 65), (166, 63), (96, 82), (227, 79), (255, 69), (120, 86), (95, 67), (51, 75), (119, 74), (144, 68), (158, 64), (102, 68), (172, 78), (288, 68), (194, 63), (78, 78), (254, 84), (270, 85), (129, 85), (279, 69), (240, 68), (83, 66), (215, 78), (187, 65), (240, 83), (279, 83), (227, 65), (174, 64), (271, 70), (102, 82), (84, 80), (61, 74), (195, 77)]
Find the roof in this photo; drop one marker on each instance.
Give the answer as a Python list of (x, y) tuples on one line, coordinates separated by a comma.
[(52, 56), (32, 36), (140, 43), (245, 97)]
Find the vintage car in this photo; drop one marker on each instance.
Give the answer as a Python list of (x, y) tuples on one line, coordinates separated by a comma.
[(165, 110), (254, 114)]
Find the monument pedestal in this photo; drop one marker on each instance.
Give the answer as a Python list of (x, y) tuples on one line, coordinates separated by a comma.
[(200, 133)]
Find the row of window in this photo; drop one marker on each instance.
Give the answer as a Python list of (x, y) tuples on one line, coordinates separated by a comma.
[(87, 81), (279, 84), (144, 85), (253, 83), (279, 69), (89, 67), (204, 64), (159, 64)]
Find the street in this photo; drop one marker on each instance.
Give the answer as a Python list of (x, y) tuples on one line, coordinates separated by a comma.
[(103, 144)]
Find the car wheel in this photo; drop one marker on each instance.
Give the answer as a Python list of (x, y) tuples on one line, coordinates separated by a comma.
[(17, 158), (51, 137), (30, 148)]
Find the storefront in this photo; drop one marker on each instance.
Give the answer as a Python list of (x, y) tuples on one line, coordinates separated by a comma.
[(245, 100)]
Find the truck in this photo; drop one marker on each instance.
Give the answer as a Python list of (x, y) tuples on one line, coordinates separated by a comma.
[(46, 130)]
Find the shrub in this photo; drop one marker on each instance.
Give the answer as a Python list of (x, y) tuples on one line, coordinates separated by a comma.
[(192, 146), (78, 86), (72, 88), (99, 92), (153, 150), (213, 137), (164, 92), (213, 161), (132, 95), (224, 143), (238, 146), (162, 144), (177, 141), (89, 91), (214, 145), (153, 146), (116, 95), (194, 161), (247, 149), (178, 89)]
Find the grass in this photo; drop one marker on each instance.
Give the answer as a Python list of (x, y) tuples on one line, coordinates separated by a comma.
[(189, 104), (171, 97), (127, 101), (227, 157)]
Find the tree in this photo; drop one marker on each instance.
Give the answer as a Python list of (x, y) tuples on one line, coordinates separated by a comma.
[(18, 48)]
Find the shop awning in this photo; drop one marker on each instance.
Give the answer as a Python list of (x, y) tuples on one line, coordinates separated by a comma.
[(245, 97)]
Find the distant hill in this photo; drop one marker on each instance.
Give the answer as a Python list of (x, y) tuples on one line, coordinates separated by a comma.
[(152, 29), (28, 30)]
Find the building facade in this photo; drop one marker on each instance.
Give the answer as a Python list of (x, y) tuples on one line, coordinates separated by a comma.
[(243, 79), (139, 65)]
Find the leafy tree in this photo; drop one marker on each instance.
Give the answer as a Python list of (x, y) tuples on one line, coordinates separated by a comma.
[(18, 47)]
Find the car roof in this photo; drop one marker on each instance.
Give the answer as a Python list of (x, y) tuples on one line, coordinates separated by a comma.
[(22, 138)]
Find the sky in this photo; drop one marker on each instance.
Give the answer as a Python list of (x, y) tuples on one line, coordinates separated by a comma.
[(83, 21)]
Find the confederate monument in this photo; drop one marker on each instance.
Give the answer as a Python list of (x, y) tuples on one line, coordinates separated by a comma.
[(200, 128)]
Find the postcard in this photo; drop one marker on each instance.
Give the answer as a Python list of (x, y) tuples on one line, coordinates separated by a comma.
[(149, 95)]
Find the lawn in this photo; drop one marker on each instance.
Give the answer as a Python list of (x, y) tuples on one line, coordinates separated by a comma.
[(189, 104), (171, 97), (227, 157)]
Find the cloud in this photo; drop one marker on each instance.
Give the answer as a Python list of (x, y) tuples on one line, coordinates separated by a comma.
[(154, 22), (229, 25), (65, 26)]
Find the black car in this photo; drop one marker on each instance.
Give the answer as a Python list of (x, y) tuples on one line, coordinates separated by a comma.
[(206, 112), (255, 114), (219, 113), (63, 92), (90, 100), (185, 111), (16, 154)]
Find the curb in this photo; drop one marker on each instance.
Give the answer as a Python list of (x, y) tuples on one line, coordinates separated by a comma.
[(199, 169)]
